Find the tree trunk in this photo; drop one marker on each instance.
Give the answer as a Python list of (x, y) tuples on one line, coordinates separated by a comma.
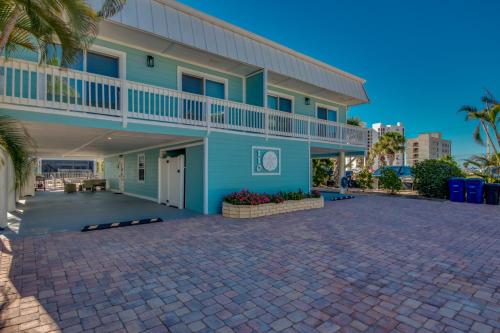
[(486, 129), (9, 27)]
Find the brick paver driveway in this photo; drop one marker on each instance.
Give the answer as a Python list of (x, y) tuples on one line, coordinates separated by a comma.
[(373, 264)]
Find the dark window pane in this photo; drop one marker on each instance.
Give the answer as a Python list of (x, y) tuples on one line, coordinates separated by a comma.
[(285, 104), (102, 64), (192, 84), (214, 89), (322, 113), (272, 102)]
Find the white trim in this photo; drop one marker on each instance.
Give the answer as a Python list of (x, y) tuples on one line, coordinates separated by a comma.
[(169, 56), (143, 155), (309, 166), (204, 76), (264, 88), (157, 123), (122, 58), (328, 108), (205, 175), (267, 173), (277, 94), (307, 95), (244, 86)]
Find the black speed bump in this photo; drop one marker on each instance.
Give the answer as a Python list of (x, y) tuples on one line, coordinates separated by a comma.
[(103, 226)]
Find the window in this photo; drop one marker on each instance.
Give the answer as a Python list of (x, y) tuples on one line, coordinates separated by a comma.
[(141, 167), (102, 64), (280, 103), (97, 63), (202, 86), (54, 58), (327, 113)]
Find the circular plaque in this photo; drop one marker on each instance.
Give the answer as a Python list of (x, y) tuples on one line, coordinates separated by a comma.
[(270, 161)]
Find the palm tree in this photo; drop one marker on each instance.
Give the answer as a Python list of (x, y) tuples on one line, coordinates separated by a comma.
[(484, 166), (487, 118), (354, 121), (388, 146), (37, 25), (17, 143)]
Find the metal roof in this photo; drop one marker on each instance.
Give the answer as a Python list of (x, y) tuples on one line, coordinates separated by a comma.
[(183, 24)]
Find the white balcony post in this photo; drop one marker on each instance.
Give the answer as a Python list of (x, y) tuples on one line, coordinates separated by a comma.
[(208, 114), (124, 101), (309, 129), (264, 102)]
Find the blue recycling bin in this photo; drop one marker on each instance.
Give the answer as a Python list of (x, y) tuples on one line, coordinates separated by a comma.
[(475, 190), (456, 186)]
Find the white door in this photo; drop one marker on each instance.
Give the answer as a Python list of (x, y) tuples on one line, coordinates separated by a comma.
[(121, 174), (172, 181)]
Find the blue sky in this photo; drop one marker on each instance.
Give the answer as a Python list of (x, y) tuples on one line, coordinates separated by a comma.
[(422, 59)]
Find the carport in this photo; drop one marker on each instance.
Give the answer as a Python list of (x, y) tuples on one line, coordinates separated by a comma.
[(50, 211), (58, 211)]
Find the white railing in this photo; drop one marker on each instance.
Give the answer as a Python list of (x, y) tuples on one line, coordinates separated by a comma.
[(30, 84)]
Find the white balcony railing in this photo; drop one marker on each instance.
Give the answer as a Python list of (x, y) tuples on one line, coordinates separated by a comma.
[(48, 87)]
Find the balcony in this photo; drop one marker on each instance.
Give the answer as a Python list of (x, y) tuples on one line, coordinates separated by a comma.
[(50, 88)]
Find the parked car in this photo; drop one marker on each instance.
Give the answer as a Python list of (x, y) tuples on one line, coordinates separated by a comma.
[(405, 173)]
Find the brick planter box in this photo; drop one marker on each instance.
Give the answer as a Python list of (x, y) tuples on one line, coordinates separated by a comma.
[(249, 211)]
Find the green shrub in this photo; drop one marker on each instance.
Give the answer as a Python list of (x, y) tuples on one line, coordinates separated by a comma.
[(390, 181), (431, 177), (365, 179), (321, 169)]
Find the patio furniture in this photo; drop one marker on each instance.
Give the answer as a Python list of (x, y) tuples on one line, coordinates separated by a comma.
[(40, 183), (69, 188), (92, 184)]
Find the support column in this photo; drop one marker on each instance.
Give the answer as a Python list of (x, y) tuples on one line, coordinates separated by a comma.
[(205, 175), (341, 164)]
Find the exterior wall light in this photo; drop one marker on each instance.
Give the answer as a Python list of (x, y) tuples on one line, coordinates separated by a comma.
[(150, 61), (307, 101)]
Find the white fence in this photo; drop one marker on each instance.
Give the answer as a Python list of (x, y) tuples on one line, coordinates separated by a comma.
[(27, 83)]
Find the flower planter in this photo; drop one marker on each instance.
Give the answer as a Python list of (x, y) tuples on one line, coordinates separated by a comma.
[(250, 211)]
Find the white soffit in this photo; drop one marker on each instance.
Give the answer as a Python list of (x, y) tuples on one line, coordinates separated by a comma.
[(183, 24)]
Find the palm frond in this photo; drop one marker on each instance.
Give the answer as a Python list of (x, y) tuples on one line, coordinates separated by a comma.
[(477, 135), (111, 7), (15, 140)]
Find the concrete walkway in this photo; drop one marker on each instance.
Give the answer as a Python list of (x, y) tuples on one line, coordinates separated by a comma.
[(58, 211), (369, 264)]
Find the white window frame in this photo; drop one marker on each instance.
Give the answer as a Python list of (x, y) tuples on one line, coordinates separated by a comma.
[(204, 77), (139, 167), (276, 94), (122, 57), (329, 108)]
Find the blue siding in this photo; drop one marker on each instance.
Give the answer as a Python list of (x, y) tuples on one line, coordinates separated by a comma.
[(148, 188), (255, 89), (300, 106), (164, 73), (230, 166)]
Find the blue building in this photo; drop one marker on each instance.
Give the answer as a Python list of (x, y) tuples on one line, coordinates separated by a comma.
[(184, 108)]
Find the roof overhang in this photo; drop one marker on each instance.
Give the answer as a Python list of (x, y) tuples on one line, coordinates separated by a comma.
[(189, 33)]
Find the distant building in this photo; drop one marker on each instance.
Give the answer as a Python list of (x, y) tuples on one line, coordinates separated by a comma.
[(379, 129), (426, 146)]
